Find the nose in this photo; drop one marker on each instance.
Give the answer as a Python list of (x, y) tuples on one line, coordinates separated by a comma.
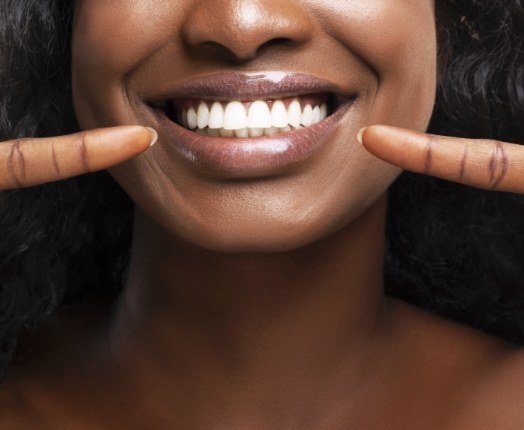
[(238, 29)]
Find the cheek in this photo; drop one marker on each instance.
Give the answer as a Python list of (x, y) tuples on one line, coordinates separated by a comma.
[(110, 39), (113, 36), (396, 41)]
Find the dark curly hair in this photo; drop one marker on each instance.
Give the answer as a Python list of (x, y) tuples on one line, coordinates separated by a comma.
[(451, 249)]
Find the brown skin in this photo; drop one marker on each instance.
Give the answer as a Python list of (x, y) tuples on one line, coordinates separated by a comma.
[(259, 304)]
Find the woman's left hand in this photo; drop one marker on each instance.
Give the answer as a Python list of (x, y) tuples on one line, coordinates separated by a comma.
[(481, 163)]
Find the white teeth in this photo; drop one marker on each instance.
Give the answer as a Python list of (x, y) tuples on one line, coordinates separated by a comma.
[(235, 120), (216, 116), (226, 133), (323, 112), (316, 115), (256, 132), (235, 117), (192, 120), (307, 116), (294, 113), (202, 115), (243, 132), (270, 131), (279, 117), (259, 115)]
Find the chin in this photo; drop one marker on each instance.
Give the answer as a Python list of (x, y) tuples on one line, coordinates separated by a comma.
[(260, 240), (271, 234)]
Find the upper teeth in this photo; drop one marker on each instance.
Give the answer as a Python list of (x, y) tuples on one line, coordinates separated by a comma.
[(251, 119)]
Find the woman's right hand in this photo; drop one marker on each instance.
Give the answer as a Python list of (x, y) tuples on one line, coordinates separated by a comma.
[(34, 161)]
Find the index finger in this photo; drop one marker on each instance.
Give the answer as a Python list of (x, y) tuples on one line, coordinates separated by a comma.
[(480, 163), (32, 161)]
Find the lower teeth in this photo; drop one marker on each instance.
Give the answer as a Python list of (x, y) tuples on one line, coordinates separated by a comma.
[(245, 132)]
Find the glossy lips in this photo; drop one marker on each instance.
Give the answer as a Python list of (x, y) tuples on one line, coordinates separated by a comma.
[(238, 157)]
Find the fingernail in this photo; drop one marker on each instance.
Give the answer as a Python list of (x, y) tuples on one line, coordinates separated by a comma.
[(360, 134), (154, 136)]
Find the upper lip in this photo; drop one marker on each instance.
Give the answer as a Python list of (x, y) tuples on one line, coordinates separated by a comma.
[(249, 87)]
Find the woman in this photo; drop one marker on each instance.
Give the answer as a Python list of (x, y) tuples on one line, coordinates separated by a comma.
[(254, 294)]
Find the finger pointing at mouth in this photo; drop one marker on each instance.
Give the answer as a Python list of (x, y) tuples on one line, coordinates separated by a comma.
[(481, 163)]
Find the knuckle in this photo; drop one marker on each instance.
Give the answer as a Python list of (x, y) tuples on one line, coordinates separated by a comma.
[(82, 144), (428, 153), (463, 163), (54, 157), (498, 165), (16, 163)]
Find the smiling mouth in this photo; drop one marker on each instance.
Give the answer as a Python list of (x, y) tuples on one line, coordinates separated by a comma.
[(245, 106), (254, 118), (234, 125)]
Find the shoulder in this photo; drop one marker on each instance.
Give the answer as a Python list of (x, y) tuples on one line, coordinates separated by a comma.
[(28, 397), (484, 374), (498, 399), (29, 405), (14, 411)]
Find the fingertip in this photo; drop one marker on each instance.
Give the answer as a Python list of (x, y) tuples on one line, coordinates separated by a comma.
[(367, 130), (378, 133), (154, 136), (390, 130), (133, 134), (360, 135)]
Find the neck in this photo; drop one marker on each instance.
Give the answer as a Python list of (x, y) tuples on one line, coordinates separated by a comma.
[(213, 321)]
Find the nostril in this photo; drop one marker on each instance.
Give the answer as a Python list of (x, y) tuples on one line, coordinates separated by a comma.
[(218, 50), (276, 41)]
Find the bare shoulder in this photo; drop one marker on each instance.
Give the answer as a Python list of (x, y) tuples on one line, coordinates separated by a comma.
[(27, 400), (498, 401), (28, 405), (14, 413), (484, 373)]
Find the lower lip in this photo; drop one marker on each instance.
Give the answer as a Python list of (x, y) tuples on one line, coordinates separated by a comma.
[(252, 157)]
